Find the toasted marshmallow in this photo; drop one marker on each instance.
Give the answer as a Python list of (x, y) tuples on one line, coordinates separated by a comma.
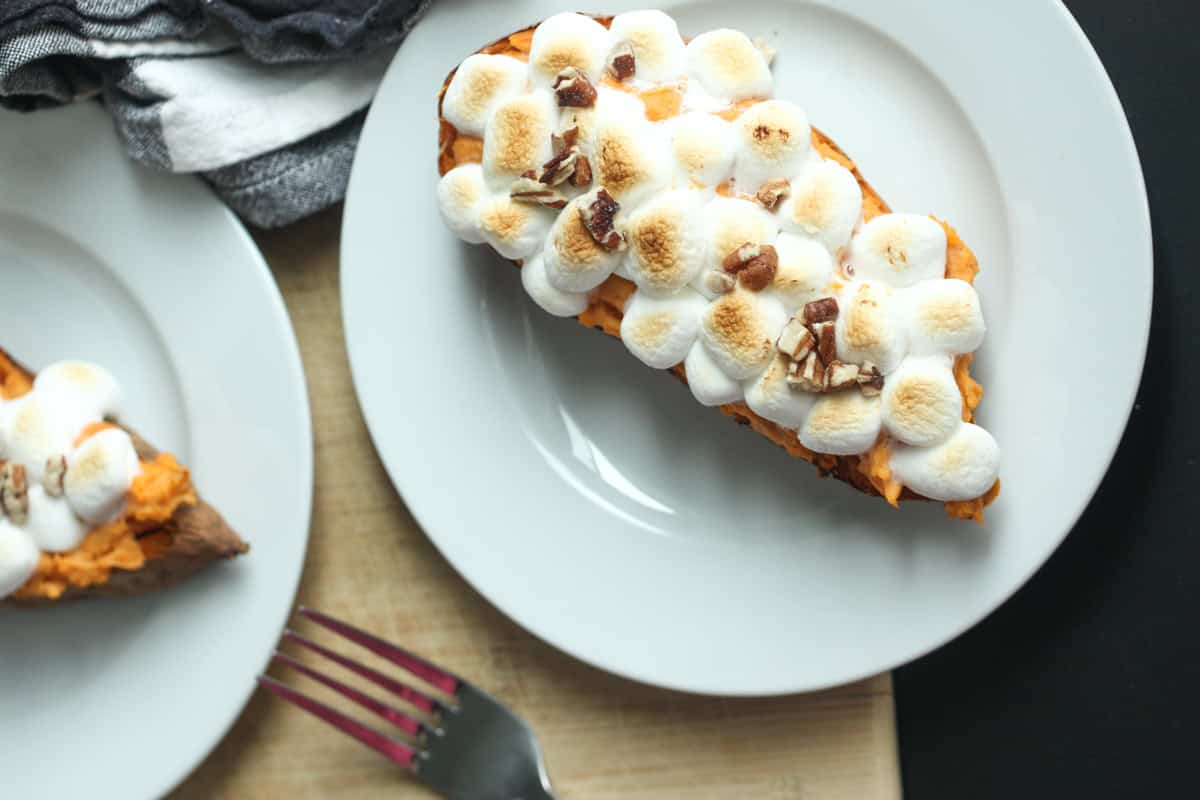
[(770, 396), (99, 473), (709, 384), (610, 103), (518, 137), (803, 272), (479, 84), (739, 330), (89, 386), (568, 40), (703, 147), (824, 203), (630, 156), (460, 193), (574, 261), (658, 49), (921, 401), (552, 299), (661, 330), (842, 424), (963, 467), (899, 249), (52, 523), (729, 223), (514, 230), (773, 139), (725, 63), (944, 317), (39, 425), (666, 241), (869, 327), (19, 557)]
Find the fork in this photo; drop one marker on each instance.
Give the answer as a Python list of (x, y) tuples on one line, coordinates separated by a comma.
[(467, 747)]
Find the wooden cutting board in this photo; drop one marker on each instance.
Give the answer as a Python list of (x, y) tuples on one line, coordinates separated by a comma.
[(604, 737)]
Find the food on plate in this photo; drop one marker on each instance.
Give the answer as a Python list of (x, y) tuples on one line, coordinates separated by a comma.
[(650, 186)]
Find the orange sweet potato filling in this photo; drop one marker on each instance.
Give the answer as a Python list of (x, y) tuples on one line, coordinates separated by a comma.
[(155, 494), (608, 300)]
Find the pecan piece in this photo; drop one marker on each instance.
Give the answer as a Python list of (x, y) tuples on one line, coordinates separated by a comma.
[(52, 478), (559, 168), (565, 140), (839, 375), (807, 375), (826, 335), (14, 493), (822, 310), (796, 341), (754, 264), (621, 63), (870, 379), (573, 89), (527, 190), (771, 192), (582, 176), (598, 217)]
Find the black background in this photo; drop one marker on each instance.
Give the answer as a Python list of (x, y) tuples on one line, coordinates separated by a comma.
[(1087, 683)]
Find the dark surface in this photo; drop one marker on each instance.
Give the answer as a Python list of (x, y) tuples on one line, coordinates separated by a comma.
[(1087, 683)]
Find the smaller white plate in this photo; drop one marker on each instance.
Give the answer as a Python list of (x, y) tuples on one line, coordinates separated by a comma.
[(150, 276)]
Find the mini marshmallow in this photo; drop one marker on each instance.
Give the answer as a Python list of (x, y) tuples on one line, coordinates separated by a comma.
[(552, 300), (610, 104), (568, 40), (39, 425), (739, 329), (666, 241), (514, 230), (19, 557), (730, 222), (825, 203), (89, 386), (460, 193), (479, 84), (703, 147), (661, 330), (726, 63), (963, 467), (99, 473), (708, 383), (869, 326), (770, 396), (842, 424), (52, 523), (574, 261), (899, 249), (921, 401), (518, 138), (803, 272), (944, 317), (630, 156), (773, 139), (658, 49)]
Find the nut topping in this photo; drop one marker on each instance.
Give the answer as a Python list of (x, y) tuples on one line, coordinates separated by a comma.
[(565, 140), (870, 379), (52, 478), (583, 172), (826, 335), (771, 192), (808, 375), (796, 341), (823, 310), (598, 218), (839, 375), (527, 190), (719, 282), (573, 89), (559, 168), (755, 265), (621, 63), (14, 493)]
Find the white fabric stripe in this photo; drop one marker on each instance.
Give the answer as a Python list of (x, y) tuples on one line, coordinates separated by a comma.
[(209, 43)]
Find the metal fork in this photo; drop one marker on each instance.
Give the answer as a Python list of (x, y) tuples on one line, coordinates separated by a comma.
[(475, 749)]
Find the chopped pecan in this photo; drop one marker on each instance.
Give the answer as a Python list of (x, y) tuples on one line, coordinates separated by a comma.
[(583, 172), (52, 478), (527, 190), (562, 141), (870, 379), (14, 493), (839, 375), (559, 168), (573, 89), (826, 335), (621, 63), (771, 192), (796, 341), (598, 217), (823, 310), (754, 264), (807, 375)]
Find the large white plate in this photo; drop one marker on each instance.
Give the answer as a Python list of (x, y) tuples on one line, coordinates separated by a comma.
[(598, 505), (149, 275)]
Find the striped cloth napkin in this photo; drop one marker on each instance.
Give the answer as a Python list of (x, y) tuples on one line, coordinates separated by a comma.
[(263, 98)]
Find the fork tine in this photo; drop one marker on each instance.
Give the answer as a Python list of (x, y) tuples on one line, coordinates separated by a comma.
[(397, 655), (389, 748), (393, 715), (406, 693)]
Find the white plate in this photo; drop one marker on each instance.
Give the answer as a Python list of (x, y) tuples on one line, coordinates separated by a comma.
[(149, 275), (598, 505)]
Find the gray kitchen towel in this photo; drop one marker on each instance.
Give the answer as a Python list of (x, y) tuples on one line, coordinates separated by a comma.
[(263, 98)]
